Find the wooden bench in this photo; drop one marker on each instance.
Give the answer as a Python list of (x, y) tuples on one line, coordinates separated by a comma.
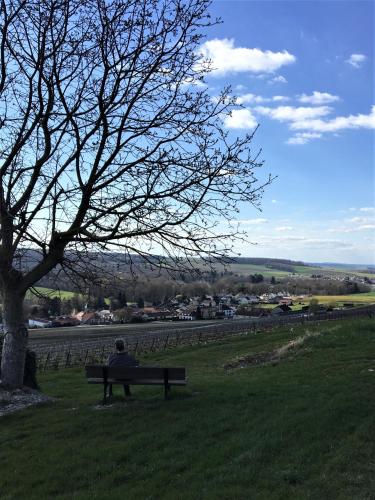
[(137, 375)]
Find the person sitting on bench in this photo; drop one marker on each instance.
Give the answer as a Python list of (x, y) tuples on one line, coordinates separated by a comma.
[(121, 358)]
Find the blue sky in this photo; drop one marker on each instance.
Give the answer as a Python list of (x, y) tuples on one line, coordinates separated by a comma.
[(305, 72)]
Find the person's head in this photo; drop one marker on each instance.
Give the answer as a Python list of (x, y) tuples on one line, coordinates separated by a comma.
[(120, 346)]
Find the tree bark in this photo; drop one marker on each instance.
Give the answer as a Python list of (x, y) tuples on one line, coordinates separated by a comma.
[(15, 340)]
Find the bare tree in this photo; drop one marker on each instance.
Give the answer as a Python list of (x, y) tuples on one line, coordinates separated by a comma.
[(109, 139)]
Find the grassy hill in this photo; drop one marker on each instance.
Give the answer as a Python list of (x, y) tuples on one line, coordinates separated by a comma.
[(50, 293), (118, 264), (295, 268), (299, 427), (358, 299)]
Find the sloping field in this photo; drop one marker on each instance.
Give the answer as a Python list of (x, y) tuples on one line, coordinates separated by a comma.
[(355, 298), (307, 270), (241, 268), (257, 269), (51, 293), (287, 414)]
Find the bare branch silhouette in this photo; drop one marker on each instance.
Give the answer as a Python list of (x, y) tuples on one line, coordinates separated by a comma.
[(110, 139)]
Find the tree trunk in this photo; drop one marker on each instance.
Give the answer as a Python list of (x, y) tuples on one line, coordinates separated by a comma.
[(15, 340)]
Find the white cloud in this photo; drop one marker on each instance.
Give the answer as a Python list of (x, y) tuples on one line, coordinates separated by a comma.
[(356, 60), (303, 242), (336, 124), (195, 82), (327, 244), (354, 224), (226, 58), (309, 120), (240, 118), (367, 209), (277, 98), (290, 113), (284, 228), (273, 201), (364, 227), (340, 230), (361, 220), (279, 79), (318, 98), (257, 99), (303, 137), (253, 222), (251, 98)]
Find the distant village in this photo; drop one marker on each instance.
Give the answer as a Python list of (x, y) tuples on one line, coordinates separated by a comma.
[(209, 307), (214, 297)]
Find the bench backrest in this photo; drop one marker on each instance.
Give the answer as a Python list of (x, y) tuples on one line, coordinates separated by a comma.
[(134, 372)]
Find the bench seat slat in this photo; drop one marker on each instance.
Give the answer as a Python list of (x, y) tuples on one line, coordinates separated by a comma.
[(96, 371), (136, 381), (144, 372), (151, 381)]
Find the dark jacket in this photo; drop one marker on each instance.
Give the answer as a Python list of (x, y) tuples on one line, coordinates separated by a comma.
[(122, 359)]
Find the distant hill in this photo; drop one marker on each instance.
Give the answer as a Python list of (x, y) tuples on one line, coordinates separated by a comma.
[(264, 261), (365, 268), (116, 264)]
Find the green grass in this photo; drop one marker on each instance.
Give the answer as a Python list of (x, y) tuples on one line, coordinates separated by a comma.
[(51, 293), (247, 269), (358, 299), (306, 271), (303, 429), (355, 298)]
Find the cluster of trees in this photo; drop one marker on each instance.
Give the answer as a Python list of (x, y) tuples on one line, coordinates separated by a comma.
[(268, 262), (45, 307), (321, 286), (298, 286)]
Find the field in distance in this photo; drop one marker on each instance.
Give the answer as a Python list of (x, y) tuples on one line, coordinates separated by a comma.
[(355, 298), (50, 293), (274, 268)]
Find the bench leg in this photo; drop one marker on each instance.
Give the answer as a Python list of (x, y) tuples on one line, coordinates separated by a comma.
[(166, 390), (127, 390), (166, 385), (105, 384)]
